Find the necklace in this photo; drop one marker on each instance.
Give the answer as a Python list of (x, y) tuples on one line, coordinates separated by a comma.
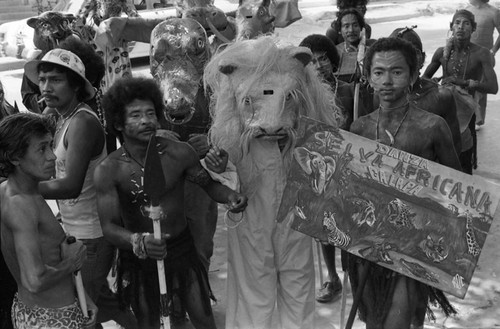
[(459, 63), (64, 119), (137, 190), (392, 137), (349, 48), (129, 156)]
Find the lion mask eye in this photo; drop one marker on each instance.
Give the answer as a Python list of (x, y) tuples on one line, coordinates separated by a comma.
[(247, 101)]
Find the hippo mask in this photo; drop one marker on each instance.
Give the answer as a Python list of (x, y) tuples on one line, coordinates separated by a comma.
[(178, 53)]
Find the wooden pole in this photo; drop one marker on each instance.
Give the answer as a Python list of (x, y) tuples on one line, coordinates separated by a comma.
[(358, 295)]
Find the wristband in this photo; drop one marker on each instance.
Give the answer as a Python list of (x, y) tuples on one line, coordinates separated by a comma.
[(138, 246), (472, 84)]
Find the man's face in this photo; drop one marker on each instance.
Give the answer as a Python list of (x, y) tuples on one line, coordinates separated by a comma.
[(140, 120), (56, 90), (462, 28), (390, 75), (361, 9), (350, 29), (322, 64), (39, 160)]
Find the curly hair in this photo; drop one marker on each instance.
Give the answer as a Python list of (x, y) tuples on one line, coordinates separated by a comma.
[(16, 132), (94, 64), (321, 43), (123, 92), (393, 44), (349, 11)]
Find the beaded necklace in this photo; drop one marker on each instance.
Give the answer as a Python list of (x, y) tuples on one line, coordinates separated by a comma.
[(459, 65), (392, 137)]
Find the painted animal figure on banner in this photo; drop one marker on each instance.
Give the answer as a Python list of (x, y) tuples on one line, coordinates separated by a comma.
[(179, 51), (260, 88), (319, 168)]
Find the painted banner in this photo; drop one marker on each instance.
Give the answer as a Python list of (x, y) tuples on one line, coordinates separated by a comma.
[(403, 212)]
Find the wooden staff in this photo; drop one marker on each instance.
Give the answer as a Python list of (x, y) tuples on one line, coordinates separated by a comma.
[(359, 292), (320, 265), (80, 290), (359, 66), (155, 187)]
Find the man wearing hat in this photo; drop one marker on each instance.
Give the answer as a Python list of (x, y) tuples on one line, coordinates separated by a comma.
[(50, 29), (79, 144)]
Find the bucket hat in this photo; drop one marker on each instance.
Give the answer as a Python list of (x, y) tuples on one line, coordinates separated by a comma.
[(64, 58)]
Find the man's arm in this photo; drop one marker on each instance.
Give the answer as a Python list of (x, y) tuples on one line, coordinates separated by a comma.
[(434, 64), (85, 139), (496, 46), (36, 276), (108, 206), (450, 116), (217, 192), (489, 83), (445, 151)]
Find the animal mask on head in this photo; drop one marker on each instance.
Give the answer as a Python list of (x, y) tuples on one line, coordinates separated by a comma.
[(254, 18), (260, 88), (205, 13), (50, 29), (178, 53)]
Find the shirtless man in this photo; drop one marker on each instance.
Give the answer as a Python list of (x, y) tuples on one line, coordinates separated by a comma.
[(350, 23), (132, 107), (33, 242), (360, 5), (488, 20), (468, 66), (393, 67), (428, 95)]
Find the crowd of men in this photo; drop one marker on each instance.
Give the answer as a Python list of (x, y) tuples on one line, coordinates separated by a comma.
[(58, 150)]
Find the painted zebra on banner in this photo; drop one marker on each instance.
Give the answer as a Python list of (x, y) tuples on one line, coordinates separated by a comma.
[(335, 236)]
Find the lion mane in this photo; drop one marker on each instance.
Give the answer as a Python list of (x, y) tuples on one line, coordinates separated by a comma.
[(249, 61)]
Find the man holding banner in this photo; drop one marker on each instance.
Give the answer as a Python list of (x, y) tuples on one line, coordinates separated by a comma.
[(391, 300)]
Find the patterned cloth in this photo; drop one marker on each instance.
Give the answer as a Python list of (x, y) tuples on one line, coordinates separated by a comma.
[(67, 317)]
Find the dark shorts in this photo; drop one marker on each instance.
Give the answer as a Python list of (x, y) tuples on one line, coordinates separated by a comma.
[(67, 317), (137, 281)]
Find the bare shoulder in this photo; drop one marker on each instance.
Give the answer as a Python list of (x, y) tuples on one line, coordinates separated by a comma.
[(18, 209), (110, 168), (479, 51), (361, 124), (87, 119), (426, 120)]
